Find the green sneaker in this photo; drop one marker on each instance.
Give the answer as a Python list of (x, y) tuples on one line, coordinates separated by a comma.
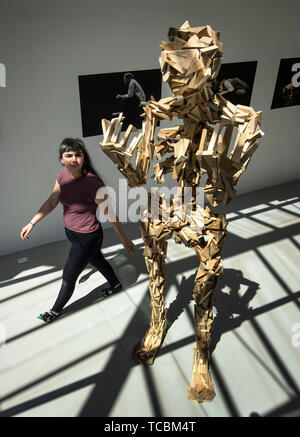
[(48, 316)]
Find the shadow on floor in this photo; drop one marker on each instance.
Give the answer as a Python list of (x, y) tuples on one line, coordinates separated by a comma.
[(232, 309)]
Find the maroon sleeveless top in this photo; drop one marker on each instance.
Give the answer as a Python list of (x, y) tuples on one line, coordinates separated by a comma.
[(78, 199)]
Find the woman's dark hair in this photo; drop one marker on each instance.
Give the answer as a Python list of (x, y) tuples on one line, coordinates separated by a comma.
[(77, 145)]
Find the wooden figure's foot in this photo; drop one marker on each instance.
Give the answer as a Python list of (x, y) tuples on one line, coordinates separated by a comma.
[(146, 350), (144, 356), (201, 388)]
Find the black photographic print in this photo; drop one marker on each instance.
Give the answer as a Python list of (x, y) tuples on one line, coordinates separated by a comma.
[(287, 88), (235, 82), (106, 95)]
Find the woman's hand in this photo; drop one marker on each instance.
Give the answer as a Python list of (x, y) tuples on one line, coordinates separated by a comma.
[(128, 245), (26, 231)]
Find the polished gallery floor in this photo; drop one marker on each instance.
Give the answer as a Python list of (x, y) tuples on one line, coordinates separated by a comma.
[(82, 365)]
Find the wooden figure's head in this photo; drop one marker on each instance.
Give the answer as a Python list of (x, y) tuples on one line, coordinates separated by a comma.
[(191, 59)]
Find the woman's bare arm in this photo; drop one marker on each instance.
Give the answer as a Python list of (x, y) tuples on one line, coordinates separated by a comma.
[(44, 210)]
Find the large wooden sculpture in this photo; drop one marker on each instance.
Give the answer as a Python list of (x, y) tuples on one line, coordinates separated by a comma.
[(190, 62)]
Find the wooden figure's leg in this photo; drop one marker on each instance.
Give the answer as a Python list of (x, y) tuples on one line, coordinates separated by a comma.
[(155, 252), (201, 388), (208, 250)]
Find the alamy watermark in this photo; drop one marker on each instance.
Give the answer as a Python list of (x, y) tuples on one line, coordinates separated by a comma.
[(296, 336), (2, 75), (296, 77), (161, 204)]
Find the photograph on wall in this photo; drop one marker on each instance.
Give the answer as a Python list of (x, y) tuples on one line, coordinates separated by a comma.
[(235, 82), (106, 95), (287, 88)]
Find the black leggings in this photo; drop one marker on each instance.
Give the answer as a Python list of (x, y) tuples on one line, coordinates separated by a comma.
[(86, 248)]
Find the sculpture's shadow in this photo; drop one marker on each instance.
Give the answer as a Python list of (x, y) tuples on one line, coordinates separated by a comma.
[(232, 305), (232, 296)]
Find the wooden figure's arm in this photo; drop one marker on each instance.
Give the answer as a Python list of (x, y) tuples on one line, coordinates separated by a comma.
[(169, 140), (224, 171), (121, 153), (144, 143)]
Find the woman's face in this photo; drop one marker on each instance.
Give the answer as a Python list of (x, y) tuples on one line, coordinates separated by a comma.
[(72, 160)]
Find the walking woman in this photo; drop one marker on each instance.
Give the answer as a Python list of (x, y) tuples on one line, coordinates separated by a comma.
[(76, 187)]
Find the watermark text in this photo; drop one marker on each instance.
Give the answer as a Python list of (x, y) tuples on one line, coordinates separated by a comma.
[(2, 75)]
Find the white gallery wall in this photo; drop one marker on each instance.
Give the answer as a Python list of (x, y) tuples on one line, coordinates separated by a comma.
[(46, 45)]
